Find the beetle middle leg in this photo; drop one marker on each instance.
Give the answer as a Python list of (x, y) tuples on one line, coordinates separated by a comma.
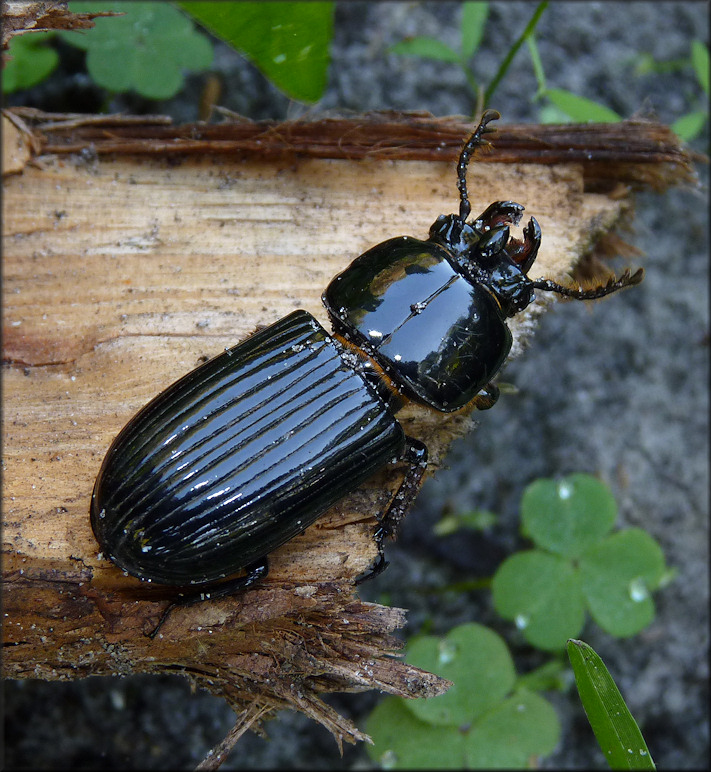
[(255, 573), (487, 397), (416, 457)]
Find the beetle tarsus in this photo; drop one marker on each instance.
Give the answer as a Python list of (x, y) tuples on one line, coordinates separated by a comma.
[(163, 617), (377, 568)]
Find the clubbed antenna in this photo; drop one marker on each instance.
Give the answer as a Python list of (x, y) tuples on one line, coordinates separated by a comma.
[(473, 143), (627, 279)]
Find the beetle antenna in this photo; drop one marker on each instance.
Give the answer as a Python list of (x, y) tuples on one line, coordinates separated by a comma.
[(627, 279), (472, 144)]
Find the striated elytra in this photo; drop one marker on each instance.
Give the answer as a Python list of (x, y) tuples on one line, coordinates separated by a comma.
[(239, 456), (246, 451)]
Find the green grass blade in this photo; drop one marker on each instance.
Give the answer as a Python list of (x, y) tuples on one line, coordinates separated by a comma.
[(700, 61), (616, 730), (689, 126), (473, 22), (580, 109), (427, 48)]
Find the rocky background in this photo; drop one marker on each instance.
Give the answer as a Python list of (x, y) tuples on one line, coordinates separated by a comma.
[(618, 389)]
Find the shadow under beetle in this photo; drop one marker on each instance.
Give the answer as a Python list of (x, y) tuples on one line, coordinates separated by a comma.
[(246, 451)]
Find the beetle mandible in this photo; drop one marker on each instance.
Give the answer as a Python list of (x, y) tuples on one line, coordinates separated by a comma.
[(244, 452)]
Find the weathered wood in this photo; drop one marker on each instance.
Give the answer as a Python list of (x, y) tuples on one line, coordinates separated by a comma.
[(640, 153), (121, 272)]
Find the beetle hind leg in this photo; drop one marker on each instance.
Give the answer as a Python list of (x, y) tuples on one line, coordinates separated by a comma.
[(416, 457), (255, 572)]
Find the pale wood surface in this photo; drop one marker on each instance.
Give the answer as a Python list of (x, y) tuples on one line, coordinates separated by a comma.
[(120, 274)]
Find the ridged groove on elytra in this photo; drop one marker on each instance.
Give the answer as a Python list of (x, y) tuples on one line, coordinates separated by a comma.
[(325, 410), (202, 526), (194, 533), (153, 416), (128, 463), (319, 397), (188, 556), (167, 466), (187, 561), (243, 423)]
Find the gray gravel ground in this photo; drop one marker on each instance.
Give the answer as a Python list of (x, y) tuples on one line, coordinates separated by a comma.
[(619, 389)]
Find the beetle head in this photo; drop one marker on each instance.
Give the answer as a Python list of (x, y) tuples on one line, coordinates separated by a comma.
[(484, 252)]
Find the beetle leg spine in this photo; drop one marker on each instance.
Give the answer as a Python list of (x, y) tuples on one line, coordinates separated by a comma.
[(416, 456)]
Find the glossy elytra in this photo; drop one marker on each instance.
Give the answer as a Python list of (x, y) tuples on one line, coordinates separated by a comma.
[(246, 451)]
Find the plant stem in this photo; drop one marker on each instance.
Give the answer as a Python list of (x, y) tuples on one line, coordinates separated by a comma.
[(540, 8), (476, 90)]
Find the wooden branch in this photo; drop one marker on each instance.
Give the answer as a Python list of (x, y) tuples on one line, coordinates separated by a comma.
[(126, 263), (634, 152)]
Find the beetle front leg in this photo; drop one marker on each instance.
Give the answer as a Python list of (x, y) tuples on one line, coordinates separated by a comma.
[(416, 456)]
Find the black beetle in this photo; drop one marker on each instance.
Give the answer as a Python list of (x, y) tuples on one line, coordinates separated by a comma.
[(243, 453)]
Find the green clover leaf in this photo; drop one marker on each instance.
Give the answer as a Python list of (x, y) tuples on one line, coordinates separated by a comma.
[(567, 516), (30, 62), (541, 593), (470, 654), (478, 724), (520, 728), (577, 566), (146, 50), (403, 741), (618, 577)]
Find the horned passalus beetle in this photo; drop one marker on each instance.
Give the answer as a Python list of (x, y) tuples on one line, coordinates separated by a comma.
[(243, 453)]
